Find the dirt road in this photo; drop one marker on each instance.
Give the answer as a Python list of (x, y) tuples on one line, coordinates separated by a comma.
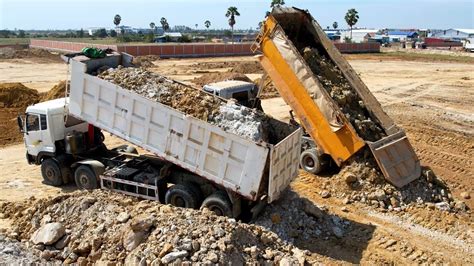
[(431, 101)]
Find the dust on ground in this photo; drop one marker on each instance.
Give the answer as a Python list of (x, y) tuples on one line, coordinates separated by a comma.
[(219, 76)]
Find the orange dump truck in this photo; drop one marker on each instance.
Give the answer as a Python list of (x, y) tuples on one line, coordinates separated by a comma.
[(309, 72)]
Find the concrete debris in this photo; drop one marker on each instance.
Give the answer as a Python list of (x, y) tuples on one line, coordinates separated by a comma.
[(231, 117), (242, 121), (152, 234), (48, 234)]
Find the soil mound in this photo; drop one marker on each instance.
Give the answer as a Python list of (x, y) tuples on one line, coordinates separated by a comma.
[(102, 227), (220, 76), (269, 90), (17, 95), (145, 61), (10, 53), (58, 91)]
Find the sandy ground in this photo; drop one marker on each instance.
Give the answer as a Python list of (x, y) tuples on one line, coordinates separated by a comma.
[(431, 101), (33, 74)]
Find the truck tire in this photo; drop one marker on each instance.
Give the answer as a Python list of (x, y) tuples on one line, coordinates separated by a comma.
[(86, 178), (182, 196), (51, 172), (218, 203), (310, 161)]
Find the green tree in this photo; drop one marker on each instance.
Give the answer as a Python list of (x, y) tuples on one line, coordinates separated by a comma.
[(21, 34), (207, 24), (113, 33), (117, 20), (231, 13), (352, 16), (80, 33), (152, 26), (101, 33), (164, 24), (335, 25), (277, 3)]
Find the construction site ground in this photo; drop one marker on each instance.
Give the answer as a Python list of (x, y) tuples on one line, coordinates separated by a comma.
[(431, 100)]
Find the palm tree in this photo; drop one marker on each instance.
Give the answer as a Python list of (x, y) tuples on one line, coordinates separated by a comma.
[(152, 26), (164, 24), (231, 13), (196, 25), (207, 24), (351, 18), (335, 25), (277, 3), (117, 20)]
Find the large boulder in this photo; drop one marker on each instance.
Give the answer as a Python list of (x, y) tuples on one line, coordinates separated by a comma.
[(48, 234)]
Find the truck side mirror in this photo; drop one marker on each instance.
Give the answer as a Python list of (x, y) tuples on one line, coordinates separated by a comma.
[(19, 120)]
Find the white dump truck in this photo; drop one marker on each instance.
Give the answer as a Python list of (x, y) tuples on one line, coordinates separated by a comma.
[(192, 163)]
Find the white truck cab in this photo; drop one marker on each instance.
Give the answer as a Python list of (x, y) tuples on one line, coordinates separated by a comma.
[(45, 125), (244, 92)]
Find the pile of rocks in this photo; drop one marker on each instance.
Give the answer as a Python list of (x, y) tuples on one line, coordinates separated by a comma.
[(242, 121), (102, 227), (231, 117), (360, 181), (348, 100)]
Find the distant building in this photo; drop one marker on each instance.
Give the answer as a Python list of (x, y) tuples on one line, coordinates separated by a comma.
[(93, 30), (358, 35), (454, 34), (401, 36), (169, 36)]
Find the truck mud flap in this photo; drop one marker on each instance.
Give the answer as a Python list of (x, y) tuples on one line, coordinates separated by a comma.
[(397, 159)]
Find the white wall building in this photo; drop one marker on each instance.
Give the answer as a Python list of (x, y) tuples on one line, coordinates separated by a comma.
[(454, 34), (357, 34)]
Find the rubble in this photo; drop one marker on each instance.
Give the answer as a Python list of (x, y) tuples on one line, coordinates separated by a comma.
[(231, 117), (154, 232), (334, 82), (361, 181)]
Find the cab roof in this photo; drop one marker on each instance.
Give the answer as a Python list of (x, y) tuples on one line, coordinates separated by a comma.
[(52, 106), (228, 84)]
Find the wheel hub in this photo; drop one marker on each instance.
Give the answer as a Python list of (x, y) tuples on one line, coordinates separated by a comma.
[(309, 161)]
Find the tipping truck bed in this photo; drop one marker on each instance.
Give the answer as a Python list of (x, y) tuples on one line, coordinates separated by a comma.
[(254, 170), (283, 41)]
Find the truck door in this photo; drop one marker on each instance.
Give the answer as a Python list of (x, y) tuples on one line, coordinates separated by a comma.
[(34, 133)]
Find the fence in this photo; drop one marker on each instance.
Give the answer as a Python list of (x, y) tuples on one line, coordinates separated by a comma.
[(186, 49)]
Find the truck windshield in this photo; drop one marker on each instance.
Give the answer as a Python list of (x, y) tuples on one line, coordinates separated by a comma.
[(32, 122)]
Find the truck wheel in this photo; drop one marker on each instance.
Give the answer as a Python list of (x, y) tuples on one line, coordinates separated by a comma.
[(181, 196), (51, 172), (310, 161), (85, 178), (219, 204)]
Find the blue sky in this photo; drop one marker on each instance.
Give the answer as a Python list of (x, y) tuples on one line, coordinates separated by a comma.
[(75, 14)]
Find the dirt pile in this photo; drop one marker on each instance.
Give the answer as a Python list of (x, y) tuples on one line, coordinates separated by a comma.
[(269, 90), (145, 61), (58, 91), (10, 53), (251, 67), (102, 227), (360, 181), (190, 101), (219, 76), (17, 95), (334, 82)]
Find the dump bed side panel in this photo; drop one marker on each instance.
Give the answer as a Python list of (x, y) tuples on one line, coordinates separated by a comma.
[(223, 158), (299, 88), (284, 164)]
